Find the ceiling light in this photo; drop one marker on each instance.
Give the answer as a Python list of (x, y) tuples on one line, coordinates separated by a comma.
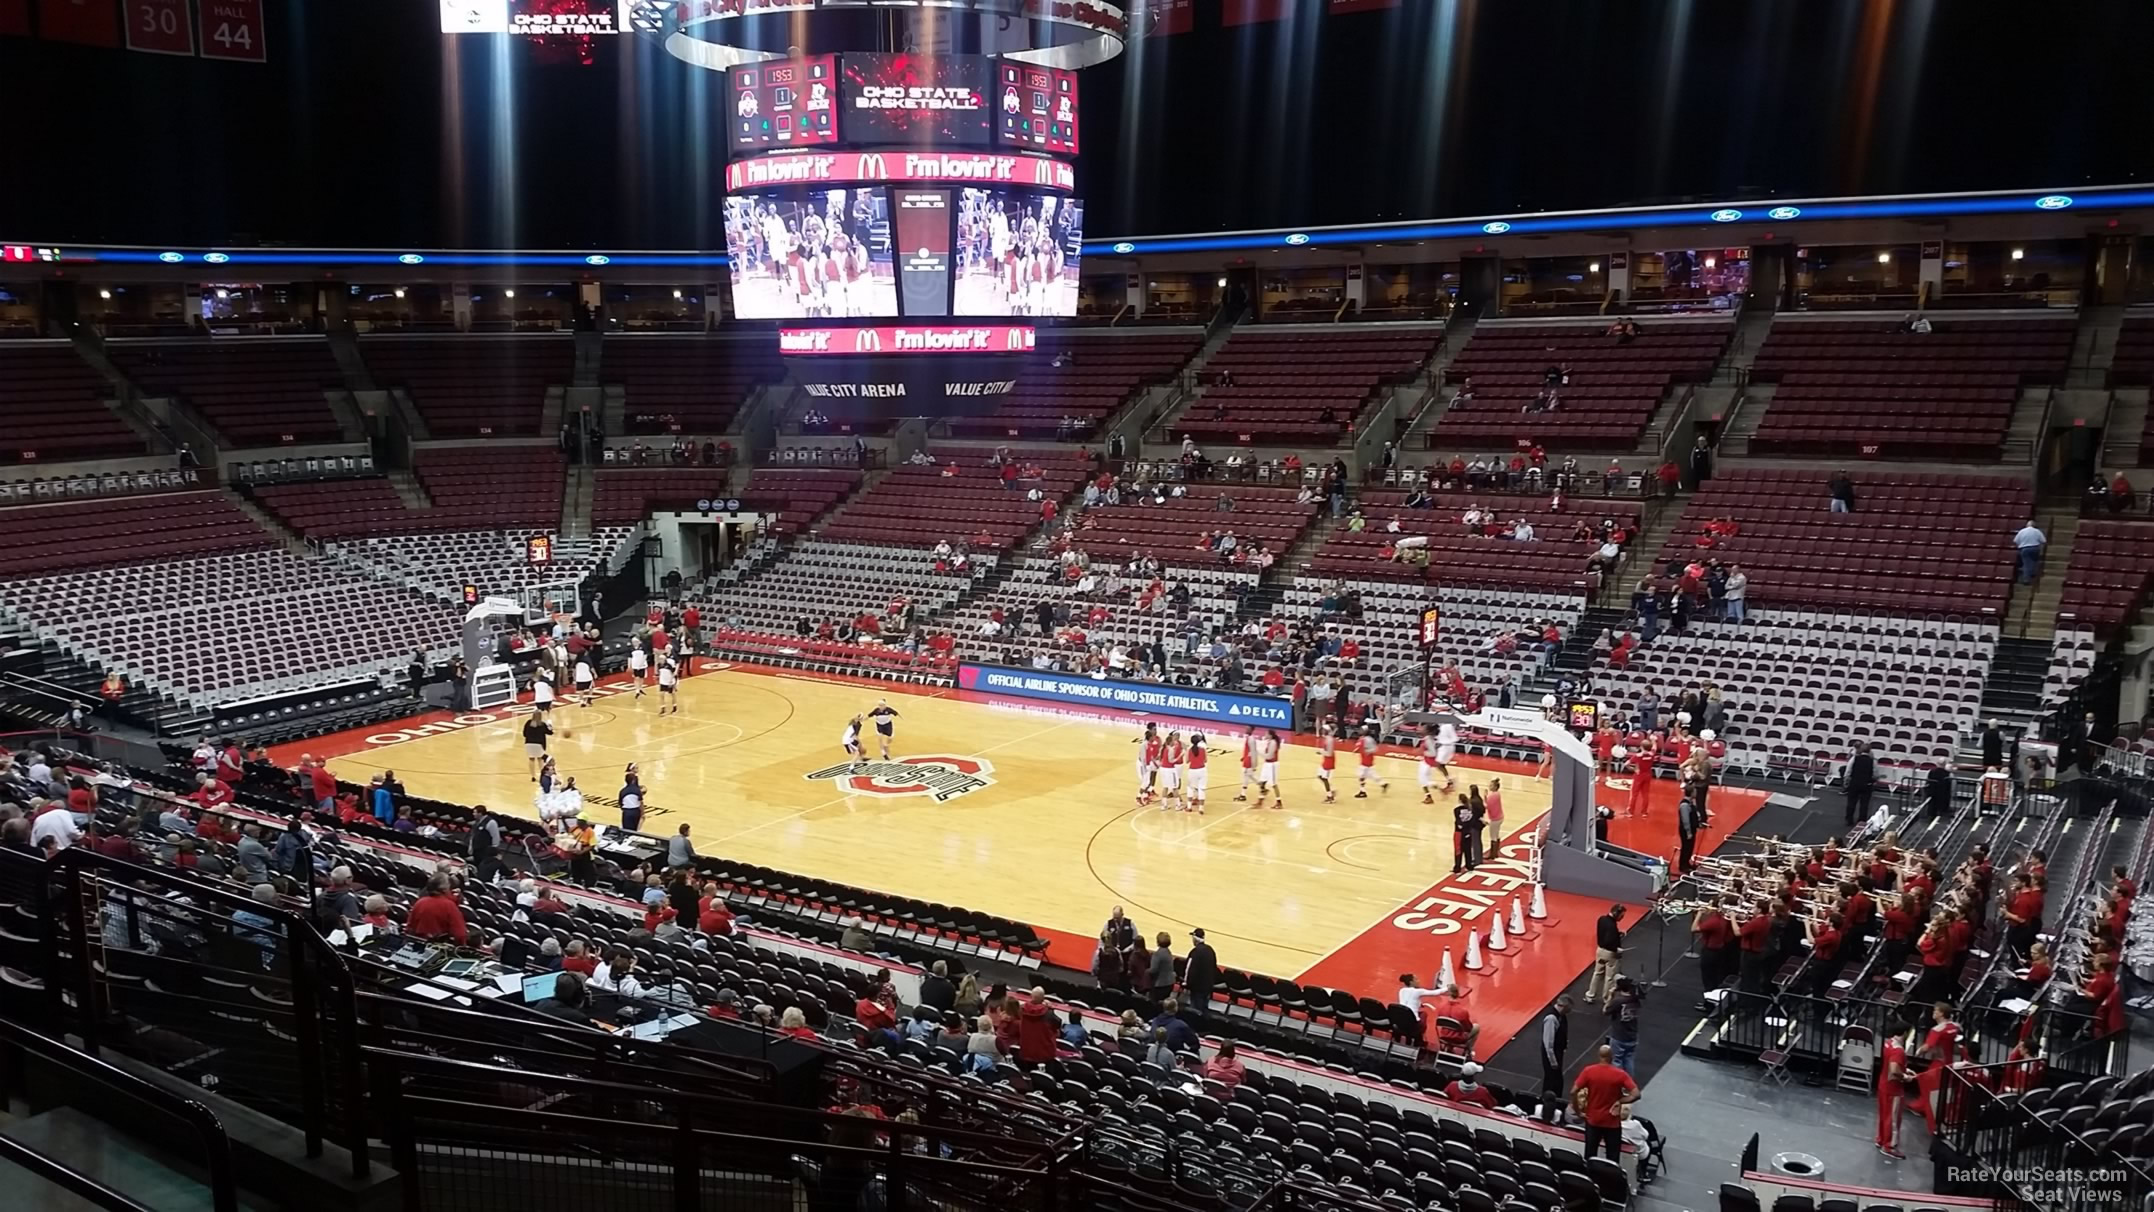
[(508, 294), (1593, 267), (104, 294), (222, 293), (2019, 254), (676, 294), (1884, 258), (399, 292)]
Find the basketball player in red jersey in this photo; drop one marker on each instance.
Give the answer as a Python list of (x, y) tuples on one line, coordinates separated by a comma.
[(1248, 763), (1170, 771), (1641, 783), (1327, 746), (1268, 770), (1891, 1096), (1368, 765), (1147, 763), (1199, 773)]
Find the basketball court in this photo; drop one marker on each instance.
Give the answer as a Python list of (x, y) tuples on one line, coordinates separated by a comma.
[(1028, 812)]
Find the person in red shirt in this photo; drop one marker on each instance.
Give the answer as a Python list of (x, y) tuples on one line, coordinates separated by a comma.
[(2125, 886), (1273, 678), (437, 915), (212, 793), (794, 1024), (691, 618), (1350, 650), (2102, 990), (117, 843), (1450, 1023), (1464, 1089), (1753, 936), (1603, 1094), (579, 960), (714, 915), (1716, 945), (1048, 510), (231, 763), (1892, 1087), (2023, 913), (322, 783), (1671, 478), (1641, 785), (1824, 955), (873, 1016), (1036, 1031), (1225, 1068), (657, 916)]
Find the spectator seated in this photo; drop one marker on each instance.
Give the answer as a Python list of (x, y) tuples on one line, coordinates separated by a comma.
[(1874, 388), (1185, 529), (1297, 386), (1572, 386), (54, 404), (1494, 636), (1114, 600), (256, 391), (476, 488), (690, 385), (1802, 687), (1915, 544), (1072, 384), (473, 386), (917, 503), (1558, 558)]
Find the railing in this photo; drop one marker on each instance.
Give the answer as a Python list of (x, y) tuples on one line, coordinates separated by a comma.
[(203, 982), (1990, 1142), (463, 1132), (209, 1146)]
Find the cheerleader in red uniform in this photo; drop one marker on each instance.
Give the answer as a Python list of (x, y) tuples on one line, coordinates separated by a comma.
[(1891, 1096)]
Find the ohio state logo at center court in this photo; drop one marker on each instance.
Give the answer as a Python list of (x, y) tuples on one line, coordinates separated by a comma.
[(944, 778)]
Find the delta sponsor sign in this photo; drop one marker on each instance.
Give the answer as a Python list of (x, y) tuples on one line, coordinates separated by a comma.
[(838, 168), (908, 339), (1247, 710)]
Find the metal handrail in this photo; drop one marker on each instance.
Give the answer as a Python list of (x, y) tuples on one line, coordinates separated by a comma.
[(216, 1143)]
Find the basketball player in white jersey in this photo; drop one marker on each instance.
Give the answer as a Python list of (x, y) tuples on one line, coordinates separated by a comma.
[(639, 665), (669, 682), (585, 678), (850, 741), (1170, 771), (1147, 763), (1435, 758), (1368, 766), (1200, 775), (998, 245), (1268, 771)]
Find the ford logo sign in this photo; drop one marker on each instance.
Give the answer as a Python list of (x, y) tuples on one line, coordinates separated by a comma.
[(1497, 228), (1726, 216), (1125, 247), (410, 259), (1298, 238), (1783, 212), (2053, 202), (171, 258), (216, 258), (597, 259)]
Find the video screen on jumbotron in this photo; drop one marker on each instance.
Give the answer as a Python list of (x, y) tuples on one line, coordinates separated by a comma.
[(807, 253), (784, 103), (1036, 107), (921, 100), (1017, 253)]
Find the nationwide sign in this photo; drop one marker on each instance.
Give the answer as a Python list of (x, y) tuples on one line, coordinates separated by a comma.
[(908, 339), (838, 168)]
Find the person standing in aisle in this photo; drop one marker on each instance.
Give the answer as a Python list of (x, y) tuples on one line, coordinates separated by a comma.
[(1607, 952), (1555, 1049)]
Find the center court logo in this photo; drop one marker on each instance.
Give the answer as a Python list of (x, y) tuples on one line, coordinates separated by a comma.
[(944, 778)]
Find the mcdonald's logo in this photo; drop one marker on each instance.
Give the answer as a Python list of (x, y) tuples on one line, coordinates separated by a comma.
[(1043, 172), (867, 340), (734, 174), (1017, 338), (873, 167)]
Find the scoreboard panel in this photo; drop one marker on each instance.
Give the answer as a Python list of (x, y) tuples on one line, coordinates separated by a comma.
[(784, 103), (1036, 107)]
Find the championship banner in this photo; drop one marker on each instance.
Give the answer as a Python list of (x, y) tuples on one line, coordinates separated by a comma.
[(1161, 17), (1216, 706), (1251, 12), (89, 22), (159, 27)]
